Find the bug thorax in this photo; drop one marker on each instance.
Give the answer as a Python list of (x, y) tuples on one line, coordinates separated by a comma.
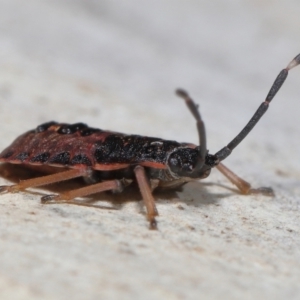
[(185, 162)]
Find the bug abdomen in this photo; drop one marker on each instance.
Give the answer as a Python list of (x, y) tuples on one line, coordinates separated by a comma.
[(77, 145)]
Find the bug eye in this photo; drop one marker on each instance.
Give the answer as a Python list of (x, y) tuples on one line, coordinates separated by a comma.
[(182, 161)]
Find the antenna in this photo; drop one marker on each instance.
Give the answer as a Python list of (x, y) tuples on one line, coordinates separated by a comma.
[(226, 151)]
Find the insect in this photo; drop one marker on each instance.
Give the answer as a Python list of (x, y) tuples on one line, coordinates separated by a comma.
[(111, 160)]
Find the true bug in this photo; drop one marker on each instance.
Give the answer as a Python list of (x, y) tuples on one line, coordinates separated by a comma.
[(112, 159)]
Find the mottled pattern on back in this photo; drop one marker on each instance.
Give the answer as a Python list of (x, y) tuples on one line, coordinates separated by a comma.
[(77, 145)]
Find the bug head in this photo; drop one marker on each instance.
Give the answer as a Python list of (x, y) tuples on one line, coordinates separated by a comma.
[(187, 162)]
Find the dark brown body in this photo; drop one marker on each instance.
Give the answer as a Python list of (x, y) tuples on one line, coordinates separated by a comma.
[(79, 146)]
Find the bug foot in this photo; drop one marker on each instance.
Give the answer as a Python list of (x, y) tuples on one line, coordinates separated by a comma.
[(8, 189), (49, 198), (153, 224), (4, 189), (266, 191)]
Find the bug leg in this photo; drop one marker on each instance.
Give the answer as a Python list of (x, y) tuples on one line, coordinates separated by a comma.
[(149, 201), (43, 180), (114, 185), (174, 183), (243, 186)]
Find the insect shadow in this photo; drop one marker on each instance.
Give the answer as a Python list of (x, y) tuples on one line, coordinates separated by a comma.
[(194, 193)]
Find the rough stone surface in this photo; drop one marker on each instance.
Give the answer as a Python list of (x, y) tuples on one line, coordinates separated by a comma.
[(115, 65)]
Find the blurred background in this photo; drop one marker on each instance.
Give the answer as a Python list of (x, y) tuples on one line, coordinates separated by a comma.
[(115, 65)]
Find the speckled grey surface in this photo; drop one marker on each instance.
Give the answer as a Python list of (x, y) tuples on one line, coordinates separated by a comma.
[(115, 65)]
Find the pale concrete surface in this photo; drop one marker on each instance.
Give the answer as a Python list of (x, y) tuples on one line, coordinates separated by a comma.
[(115, 65)]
